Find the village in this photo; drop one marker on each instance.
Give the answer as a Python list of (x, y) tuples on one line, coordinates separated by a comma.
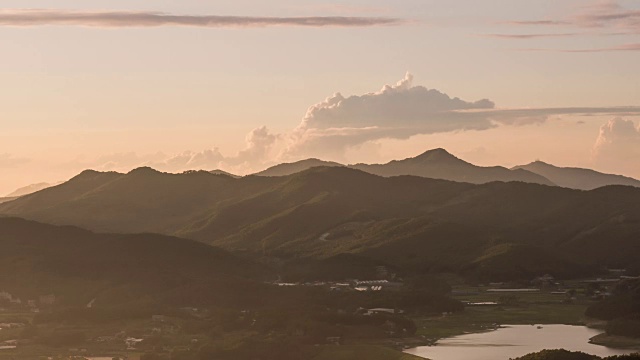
[(17, 315)]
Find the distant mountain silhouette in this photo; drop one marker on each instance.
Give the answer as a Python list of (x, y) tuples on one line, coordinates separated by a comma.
[(6, 199), (439, 164), (30, 189), (406, 221), (296, 167), (577, 178)]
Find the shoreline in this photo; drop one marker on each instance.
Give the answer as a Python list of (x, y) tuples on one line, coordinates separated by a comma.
[(614, 341)]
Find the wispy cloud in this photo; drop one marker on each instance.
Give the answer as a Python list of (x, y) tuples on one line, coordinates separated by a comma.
[(9, 161), (116, 19), (601, 18), (626, 47), (617, 48), (607, 14), (528, 36), (535, 22), (342, 9)]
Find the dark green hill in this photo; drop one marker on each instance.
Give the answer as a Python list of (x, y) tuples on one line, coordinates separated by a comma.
[(439, 164), (405, 221), (576, 178), (78, 266), (143, 200)]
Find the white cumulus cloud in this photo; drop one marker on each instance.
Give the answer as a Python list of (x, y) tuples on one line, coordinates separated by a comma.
[(618, 146)]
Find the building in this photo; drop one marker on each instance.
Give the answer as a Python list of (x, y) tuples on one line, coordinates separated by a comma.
[(47, 299), (380, 311), (158, 318), (6, 296), (377, 285)]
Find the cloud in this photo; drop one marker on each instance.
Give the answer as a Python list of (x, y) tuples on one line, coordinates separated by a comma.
[(617, 48), (119, 19), (403, 110), (529, 36), (259, 144), (189, 160), (603, 18), (407, 104), (618, 146), (624, 47), (341, 125), (396, 111), (256, 154), (343, 9), (534, 22), (9, 161), (608, 14)]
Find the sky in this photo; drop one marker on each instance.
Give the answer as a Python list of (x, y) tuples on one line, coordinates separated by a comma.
[(244, 84)]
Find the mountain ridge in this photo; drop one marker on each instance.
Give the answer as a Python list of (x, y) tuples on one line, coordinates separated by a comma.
[(327, 211), (29, 189), (440, 164), (577, 178), (285, 169)]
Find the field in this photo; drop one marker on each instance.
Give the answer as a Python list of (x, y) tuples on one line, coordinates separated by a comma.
[(521, 308)]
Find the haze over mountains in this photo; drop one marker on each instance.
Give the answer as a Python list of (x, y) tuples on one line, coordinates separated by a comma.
[(30, 189), (406, 221), (296, 167), (576, 178), (440, 164)]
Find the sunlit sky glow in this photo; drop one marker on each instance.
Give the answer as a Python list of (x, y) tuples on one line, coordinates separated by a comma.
[(113, 85)]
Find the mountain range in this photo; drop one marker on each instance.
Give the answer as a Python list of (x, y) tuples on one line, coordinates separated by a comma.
[(286, 169), (29, 189), (440, 164), (576, 178), (492, 230)]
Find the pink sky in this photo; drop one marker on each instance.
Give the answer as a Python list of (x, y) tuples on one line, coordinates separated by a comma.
[(240, 85)]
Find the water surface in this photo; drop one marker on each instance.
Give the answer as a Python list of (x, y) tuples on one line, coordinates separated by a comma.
[(514, 341)]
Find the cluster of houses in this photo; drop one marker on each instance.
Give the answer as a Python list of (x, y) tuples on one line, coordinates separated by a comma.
[(33, 304), (350, 285), (594, 288)]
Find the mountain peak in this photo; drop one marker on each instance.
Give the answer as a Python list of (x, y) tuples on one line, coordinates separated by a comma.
[(86, 174), (436, 154), (295, 167), (145, 170), (540, 163), (577, 178)]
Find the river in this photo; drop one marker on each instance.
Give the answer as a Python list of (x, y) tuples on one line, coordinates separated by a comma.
[(513, 341)]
